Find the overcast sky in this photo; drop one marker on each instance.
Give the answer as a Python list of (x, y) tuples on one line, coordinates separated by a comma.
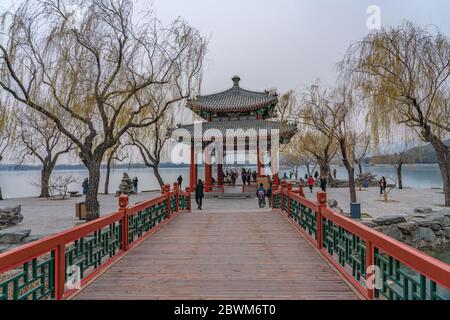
[(285, 44)]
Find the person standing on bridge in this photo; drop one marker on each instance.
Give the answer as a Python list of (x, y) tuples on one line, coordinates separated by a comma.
[(261, 194), (199, 194)]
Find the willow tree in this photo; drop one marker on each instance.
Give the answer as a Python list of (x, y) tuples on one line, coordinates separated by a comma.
[(322, 148), (151, 141), (331, 112), (38, 138), (94, 70), (295, 155), (7, 130), (404, 74)]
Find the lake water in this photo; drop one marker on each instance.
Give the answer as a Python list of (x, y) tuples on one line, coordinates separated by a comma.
[(16, 184)]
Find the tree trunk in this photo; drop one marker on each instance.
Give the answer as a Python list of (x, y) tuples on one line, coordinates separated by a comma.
[(443, 157), (360, 168), (1, 196), (350, 171), (108, 172), (92, 205), (158, 176), (399, 175), (45, 180)]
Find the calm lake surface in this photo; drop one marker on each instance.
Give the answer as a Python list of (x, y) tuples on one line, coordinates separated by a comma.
[(17, 184)]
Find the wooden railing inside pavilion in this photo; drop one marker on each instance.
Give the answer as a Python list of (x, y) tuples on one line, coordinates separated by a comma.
[(405, 273), (40, 270)]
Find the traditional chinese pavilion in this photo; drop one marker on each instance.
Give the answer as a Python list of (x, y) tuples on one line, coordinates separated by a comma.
[(247, 115)]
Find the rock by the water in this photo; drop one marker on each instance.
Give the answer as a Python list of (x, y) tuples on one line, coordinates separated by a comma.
[(387, 220), (13, 237), (408, 227), (393, 232), (423, 210), (425, 234), (10, 217), (332, 203)]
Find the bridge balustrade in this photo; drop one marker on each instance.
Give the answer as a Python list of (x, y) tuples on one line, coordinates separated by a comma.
[(48, 268), (378, 266)]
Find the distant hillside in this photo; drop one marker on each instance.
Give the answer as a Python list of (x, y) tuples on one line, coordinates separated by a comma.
[(422, 154)]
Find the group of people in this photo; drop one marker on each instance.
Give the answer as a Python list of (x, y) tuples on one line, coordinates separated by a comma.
[(85, 185), (248, 176), (323, 183)]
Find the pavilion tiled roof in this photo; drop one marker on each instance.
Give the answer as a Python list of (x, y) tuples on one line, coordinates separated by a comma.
[(240, 128), (234, 99)]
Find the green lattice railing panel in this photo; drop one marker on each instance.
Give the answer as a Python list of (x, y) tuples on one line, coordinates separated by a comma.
[(173, 203), (145, 220), (304, 217), (91, 251), (400, 282), (276, 201), (348, 249), (284, 203), (183, 202), (33, 280)]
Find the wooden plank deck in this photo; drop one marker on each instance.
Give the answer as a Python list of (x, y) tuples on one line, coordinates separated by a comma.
[(222, 255)]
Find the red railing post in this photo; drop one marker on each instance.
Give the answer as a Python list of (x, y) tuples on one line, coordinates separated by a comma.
[(370, 262), (188, 191), (60, 271), (322, 200), (288, 193), (123, 204), (166, 191), (177, 196), (301, 192)]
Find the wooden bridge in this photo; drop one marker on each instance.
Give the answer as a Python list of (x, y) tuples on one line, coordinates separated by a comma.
[(158, 249)]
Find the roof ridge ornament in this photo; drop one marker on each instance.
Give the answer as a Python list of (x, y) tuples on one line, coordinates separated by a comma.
[(236, 80)]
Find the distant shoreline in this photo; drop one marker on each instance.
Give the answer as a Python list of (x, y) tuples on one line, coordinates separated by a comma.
[(64, 167)]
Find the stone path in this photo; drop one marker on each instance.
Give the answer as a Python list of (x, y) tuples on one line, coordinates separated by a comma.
[(404, 201)]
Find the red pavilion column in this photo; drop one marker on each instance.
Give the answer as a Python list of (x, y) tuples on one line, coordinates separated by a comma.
[(193, 169), (258, 157), (219, 174), (208, 172)]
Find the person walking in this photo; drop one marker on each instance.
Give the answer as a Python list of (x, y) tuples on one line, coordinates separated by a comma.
[(269, 195), (261, 194), (199, 194), (249, 177), (366, 183), (382, 185), (135, 184), (244, 176), (85, 186), (311, 183), (180, 181), (334, 173), (323, 184)]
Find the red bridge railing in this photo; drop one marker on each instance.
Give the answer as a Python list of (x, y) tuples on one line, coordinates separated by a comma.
[(55, 267), (378, 266)]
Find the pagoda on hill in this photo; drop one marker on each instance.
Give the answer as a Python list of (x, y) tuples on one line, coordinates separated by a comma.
[(237, 120)]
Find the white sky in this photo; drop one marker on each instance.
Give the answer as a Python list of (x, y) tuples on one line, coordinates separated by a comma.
[(284, 44)]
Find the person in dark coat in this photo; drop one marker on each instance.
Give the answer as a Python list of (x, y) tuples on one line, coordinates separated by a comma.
[(269, 195), (85, 186), (135, 184), (180, 181), (323, 184), (199, 194)]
